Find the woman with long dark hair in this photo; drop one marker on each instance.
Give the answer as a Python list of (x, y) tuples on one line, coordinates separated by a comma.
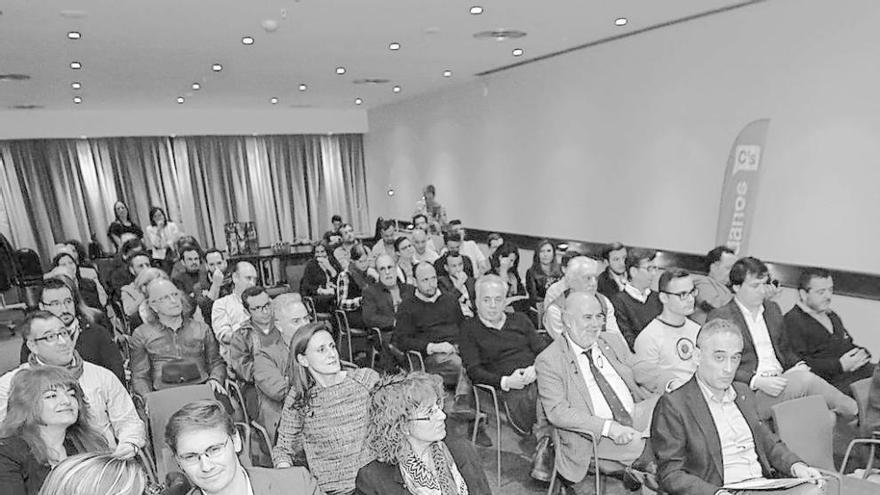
[(319, 278), (325, 415), (543, 273), (351, 282), (504, 262), (123, 224), (65, 263), (162, 235), (47, 419)]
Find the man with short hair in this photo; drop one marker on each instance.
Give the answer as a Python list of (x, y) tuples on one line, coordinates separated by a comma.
[(186, 279), (665, 348), (388, 230), (470, 248), (381, 303), (817, 333), (132, 297), (770, 365), (636, 305), (457, 282), (120, 275), (613, 279), (420, 222), (423, 247), (110, 406), (708, 435), (346, 233), (206, 445), (453, 245), (713, 290), (580, 274), (586, 385), (228, 313)]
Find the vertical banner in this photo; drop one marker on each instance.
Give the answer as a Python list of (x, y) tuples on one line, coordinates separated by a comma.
[(741, 187)]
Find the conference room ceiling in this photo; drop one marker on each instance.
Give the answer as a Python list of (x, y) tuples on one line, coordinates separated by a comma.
[(148, 54)]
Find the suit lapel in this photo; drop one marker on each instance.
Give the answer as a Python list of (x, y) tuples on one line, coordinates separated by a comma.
[(740, 319), (696, 404), (622, 370), (574, 374)]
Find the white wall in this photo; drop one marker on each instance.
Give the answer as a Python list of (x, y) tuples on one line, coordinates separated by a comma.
[(628, 140)]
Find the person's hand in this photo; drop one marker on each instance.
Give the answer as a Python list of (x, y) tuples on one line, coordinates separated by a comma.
[(530, 374), (516, 380), (621, 435), (217, 277), (217, 387), (770, 385), (125, 450), (854, 359), (440, 348), (801, 470), (282, 465), (800, 366)]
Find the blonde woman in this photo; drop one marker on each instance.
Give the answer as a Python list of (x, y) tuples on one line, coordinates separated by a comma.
[(96, 473)]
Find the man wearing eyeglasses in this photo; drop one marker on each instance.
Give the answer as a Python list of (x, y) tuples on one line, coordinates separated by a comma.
[(206, 446), (112, 410), (581, 275), (228, 313), (636, 305), (665, 348), (770, 365)]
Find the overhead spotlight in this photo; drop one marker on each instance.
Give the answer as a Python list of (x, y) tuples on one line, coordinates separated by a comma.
[(273, 100), (340, 70), (476, 10), (447, 73), (180, 100), (77, 99), (76, 65), (303, 87), (76, 85), (196, 86), (517, 52), (74, 35), (396, 89), (216, 67), (358, 101), (394, 46), (247, 40), (620, 21), (390, 191)]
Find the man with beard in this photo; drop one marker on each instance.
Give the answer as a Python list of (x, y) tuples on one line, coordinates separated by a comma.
[(613, 279)]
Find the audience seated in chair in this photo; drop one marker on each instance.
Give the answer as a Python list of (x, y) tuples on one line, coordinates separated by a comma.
[(457, 282), (817, 334), (452, 242), (714, 288), (420, 222), (228, 313), (614, 278), (407, 435), (85, 268), (111, 409), (193, 271), (203, 430), (47, 420), (586, 385), (469, 248), (770, 365), (349, 240), (504, 262), (120, 274), (388, 232), (636, 305), (161, 238), (325, 416), (319, 279), (424, 248), (708, 433), (122, 225), (580, 275), (544, 272), (351, 282), (65, 264), (140, 285), (214, 281), (382, 299), (665, 348), (131, 294)]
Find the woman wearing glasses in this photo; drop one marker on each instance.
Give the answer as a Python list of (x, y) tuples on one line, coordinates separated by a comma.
[(47, 420), (406, 432), (325, 415)]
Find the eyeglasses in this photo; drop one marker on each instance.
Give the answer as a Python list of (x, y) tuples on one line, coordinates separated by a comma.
[(263, 308), (431, 413), (212, 452), (57, 304), (683, 295), (55, 338)]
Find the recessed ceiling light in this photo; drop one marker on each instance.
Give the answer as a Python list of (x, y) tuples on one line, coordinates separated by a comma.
[(76, 85), (247, 40), (180, 100), (394, 46), (340, 70), (273, 100), (303, 87), (74, 35), (216, 67), (77, 99), (620, 21), (75, 65), (447, 73), (476, 10), (517, 52), (358, 101), (396, 89), (196, 86)]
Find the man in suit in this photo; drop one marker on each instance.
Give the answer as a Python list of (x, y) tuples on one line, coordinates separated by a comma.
[(707, 433), (206, 446), (818, 334), (586, 385), (770, 366)]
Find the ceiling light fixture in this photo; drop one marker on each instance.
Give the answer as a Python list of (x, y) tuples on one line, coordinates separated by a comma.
[(76, 85), (358, 101), (476, 10), (247, 40), (340, 70), (394, 46), (75, 65), (196, 86), (180, 100), (273, 100), (517, 52), (303, 87), (396, 89), (216, 67), (500, 34), (74, 35), (620, 21), (77, 99), (447, 73)]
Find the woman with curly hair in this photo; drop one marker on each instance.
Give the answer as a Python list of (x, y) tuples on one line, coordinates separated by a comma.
[(406, 432), (47, 419), (325, 414)]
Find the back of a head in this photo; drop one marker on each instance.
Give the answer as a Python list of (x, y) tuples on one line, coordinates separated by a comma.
[(95, 473), (715, 255)]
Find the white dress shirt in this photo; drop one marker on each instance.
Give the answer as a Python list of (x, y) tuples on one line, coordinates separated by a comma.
[(768, 364), (601, 408), (738, 453)]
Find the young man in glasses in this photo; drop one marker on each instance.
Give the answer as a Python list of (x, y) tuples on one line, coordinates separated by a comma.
[(206, 446), (112, 410), (665, 348)]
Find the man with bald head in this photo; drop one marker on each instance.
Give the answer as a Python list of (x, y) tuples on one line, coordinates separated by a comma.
[(581, 275), (228, 313), (424, 248), (586, 385)]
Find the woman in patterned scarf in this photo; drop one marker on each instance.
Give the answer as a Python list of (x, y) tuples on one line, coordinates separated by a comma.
[(406, 433)]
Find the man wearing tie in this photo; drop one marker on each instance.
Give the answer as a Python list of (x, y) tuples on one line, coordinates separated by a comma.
[(586, 385)]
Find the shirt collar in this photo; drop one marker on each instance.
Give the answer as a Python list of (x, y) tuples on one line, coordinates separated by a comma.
[(496, 326), (431, 299), (726, 397), (812, 312), (635, 293), (746, 311), (578, 350)]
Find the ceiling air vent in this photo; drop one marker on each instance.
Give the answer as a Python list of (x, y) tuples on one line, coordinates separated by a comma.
[(371, 80), (25, 107), (500, 34), (14, 77)]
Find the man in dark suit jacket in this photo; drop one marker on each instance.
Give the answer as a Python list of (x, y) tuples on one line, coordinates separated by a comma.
[(770, 366), (613, 278), (689, 446)]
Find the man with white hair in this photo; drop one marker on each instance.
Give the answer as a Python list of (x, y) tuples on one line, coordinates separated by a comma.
[(424, 248), (228, 313), (581, 275)]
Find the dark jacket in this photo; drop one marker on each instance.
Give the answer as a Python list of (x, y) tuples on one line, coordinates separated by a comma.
[(420, 323), (95, 345), (606, 285), (379, 308), (290, 481), (687, 446), (20, 473), (379, 478), (820, 349), (440, 265)]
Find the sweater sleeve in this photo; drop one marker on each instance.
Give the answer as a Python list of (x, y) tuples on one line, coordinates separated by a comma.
[(289, 444), (406, 337), (269, 378), (141, 379), (473, 360), (371, 313), (11, 472)]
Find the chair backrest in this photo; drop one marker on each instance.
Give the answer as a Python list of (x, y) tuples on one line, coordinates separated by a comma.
[(294, 274), (805, 425), (861, 391), (160, 405), (29, 264)]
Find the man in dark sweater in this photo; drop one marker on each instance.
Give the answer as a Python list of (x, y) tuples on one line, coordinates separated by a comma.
[(817, 334), (613, 279), (637, 305)]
